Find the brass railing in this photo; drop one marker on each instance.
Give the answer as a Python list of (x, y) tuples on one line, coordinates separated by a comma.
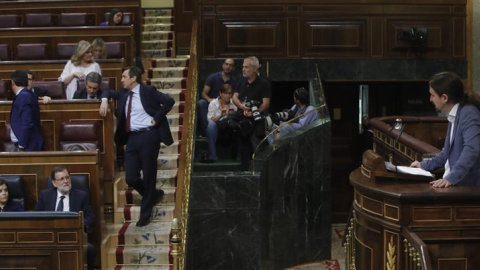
[(349, 244), (416, 252), (416, 256), (178, 241)]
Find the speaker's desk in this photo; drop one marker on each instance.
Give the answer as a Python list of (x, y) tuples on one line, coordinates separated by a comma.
[(442, 225)]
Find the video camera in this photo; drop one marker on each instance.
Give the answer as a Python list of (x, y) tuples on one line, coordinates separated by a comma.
[(253, 105), (276, 118)]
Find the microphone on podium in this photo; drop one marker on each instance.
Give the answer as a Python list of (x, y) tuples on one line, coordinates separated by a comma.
[(397, 126), (400, 126)]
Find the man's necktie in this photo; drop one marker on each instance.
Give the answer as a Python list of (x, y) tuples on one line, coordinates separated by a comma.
[(129, 111), (60, 204), (92, 97)]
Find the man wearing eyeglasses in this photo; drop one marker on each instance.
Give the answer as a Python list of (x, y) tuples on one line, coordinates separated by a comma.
[(62, 197), (211, 91)]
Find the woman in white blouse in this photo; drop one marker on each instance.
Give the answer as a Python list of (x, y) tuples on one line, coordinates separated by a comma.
[(80, 64)]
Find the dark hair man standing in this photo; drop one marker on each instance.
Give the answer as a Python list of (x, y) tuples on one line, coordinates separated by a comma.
[(26, 131), (142, 125), (461, 153)]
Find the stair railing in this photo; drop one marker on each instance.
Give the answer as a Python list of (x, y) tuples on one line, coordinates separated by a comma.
[(416, 252), (176, 245), (349, 244), (186, 151)]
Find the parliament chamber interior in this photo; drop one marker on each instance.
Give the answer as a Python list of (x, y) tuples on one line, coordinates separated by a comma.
[(365, 66)]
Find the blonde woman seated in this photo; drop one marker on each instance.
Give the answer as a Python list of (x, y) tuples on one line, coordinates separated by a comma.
[(99, 49), (80, 64)]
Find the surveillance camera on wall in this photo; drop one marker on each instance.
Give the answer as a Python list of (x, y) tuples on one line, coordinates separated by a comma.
[(415, 36)]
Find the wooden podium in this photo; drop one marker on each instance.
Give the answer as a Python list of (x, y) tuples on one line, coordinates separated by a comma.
[(404, 224)]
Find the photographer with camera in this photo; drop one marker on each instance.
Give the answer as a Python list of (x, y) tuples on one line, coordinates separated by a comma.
[(302, 106), (219, 112), (211, 90), (252, 96)]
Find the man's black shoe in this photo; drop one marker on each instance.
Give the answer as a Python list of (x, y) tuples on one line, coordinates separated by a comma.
[(143, 222)]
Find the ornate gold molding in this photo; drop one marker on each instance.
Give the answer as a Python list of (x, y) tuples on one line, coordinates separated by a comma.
[(391, 256)]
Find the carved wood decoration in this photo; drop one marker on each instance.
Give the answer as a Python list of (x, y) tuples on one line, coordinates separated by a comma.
[(53, 243), (445, 220), (372, 29)]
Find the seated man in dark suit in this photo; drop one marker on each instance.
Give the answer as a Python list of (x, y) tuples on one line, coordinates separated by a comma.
[(62, 197), (92, 87), (42, 94)]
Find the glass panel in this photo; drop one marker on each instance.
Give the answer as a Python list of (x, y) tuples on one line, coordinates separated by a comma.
[(280, 134)]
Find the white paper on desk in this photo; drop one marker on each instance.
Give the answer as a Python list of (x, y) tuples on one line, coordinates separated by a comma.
[(407, 170)]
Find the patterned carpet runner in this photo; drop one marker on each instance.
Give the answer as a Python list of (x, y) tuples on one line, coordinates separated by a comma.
[(321, 265), (145, 248)]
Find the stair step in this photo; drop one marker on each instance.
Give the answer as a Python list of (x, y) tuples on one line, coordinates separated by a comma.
[(158, 233), (157, 53), (178, 95), (168, 83), (176, 133), (157, 12), (157, 267), (170, 62), (223, 152), (175, 120), (132, 213), (156, 35), (158, 27), (158, 20), (157, 45), (167, 162), (173, 149), (132, 197), (168, 72), (149, 255), (219, 166)]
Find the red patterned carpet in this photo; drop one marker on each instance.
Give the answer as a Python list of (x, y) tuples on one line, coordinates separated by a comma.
[(338, 257), (321, 265)]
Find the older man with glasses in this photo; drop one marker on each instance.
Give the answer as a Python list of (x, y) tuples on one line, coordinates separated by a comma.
[(63, 197)]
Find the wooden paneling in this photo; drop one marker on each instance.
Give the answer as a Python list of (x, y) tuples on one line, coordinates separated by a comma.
[(183, 12), (331, 38), (293, 34), (36, 243), (344, 29), (437, 44), (251, 36), (52, 115), (51, 69), (375, 34), (208, 37), (445, 220), (99, 8), (54, 35)]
